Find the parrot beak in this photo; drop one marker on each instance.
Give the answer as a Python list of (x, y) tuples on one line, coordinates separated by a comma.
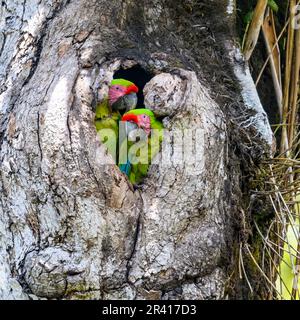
[(132, 88), (130, 117)]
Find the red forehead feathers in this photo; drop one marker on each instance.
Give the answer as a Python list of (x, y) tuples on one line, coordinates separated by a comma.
[(132, 88)]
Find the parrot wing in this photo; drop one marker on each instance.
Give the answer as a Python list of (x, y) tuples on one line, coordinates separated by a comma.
[(106, 123)]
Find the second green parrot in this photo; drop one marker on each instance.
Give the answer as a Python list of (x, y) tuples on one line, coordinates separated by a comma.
[(135, 157)]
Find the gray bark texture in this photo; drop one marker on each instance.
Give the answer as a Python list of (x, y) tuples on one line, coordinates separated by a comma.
[(71, 225)]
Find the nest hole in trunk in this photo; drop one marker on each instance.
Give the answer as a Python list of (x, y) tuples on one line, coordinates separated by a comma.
[(140, 77)]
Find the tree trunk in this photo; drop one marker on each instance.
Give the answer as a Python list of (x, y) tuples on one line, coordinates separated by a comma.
[(71, 224)]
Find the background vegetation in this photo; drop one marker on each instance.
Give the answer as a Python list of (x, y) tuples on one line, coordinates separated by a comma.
[(272, 46)]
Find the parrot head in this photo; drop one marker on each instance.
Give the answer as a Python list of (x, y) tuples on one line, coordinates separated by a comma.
[(122, 94), (141, 117)]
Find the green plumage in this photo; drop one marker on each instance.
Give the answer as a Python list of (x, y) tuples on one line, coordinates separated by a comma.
[(107, 116), (144, 150), (121, 82), (107, 126), (140, 154)]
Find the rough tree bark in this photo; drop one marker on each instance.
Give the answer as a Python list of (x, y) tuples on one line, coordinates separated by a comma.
[(72, 226)]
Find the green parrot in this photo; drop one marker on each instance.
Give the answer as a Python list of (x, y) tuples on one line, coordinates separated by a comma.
[(135, 157), (122, 95)]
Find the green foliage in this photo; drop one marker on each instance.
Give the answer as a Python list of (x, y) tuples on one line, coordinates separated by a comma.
[(248, 17), (273, 5)]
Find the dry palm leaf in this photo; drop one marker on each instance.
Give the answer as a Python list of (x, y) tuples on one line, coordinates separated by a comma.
[(269, 32), (254, 29), (294, 86), (288, 71)]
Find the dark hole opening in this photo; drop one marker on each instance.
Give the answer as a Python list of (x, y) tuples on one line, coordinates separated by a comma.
[(139, 77)]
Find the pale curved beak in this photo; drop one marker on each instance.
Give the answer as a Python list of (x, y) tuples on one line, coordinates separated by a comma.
[(131, 101)]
